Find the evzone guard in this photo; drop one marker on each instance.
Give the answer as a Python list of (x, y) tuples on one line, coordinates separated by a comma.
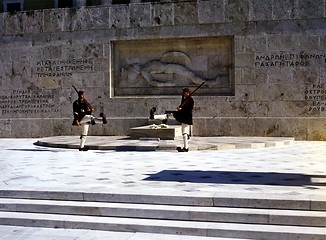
[(83, 117), (183, 115)]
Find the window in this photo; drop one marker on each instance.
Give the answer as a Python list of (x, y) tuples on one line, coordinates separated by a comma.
[(13, 5), (63, 3), (120, 1), (93, 2)]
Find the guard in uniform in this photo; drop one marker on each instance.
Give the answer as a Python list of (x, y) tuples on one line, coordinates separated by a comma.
[(183, 115), (83, 117)]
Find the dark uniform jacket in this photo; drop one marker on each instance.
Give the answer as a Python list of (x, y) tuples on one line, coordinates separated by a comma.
[(185, 114), (80, 109)]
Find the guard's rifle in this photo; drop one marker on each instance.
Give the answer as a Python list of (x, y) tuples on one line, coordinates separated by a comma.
[(87, 103), (192, 93)]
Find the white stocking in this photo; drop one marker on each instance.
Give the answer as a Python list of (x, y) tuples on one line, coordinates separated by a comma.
[(163, 116), (185, 134), (84, 130)]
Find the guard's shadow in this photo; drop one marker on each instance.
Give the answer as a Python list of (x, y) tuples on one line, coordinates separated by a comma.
[(232, 177)]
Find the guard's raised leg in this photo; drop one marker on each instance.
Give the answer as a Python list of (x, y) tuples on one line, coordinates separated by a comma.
[(163, 117), (99, 120)]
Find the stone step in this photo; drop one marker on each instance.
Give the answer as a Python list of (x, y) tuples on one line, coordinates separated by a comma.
[(209, 229), (170, 212), (228, 199), (33, 233)]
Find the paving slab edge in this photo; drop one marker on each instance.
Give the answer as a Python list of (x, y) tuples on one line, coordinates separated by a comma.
[(268, 142)]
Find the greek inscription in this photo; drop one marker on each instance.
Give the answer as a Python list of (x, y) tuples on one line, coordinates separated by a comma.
[(62, 67), (289, 59), (316, 96), (26, 102)]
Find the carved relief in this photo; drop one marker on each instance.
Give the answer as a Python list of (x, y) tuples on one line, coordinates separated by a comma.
[(149, 68), (164, 73)]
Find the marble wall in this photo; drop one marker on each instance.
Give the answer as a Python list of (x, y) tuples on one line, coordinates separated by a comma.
[(267, 60)]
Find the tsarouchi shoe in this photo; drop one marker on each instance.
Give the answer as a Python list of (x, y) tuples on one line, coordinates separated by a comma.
[(84, 149), (102, 115), (151, 112), (182, 149)]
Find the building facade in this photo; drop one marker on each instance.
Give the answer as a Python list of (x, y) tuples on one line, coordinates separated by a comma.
[(264, 63)]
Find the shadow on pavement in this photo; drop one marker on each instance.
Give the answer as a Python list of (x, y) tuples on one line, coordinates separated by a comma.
[(232, 177), (31, 150)]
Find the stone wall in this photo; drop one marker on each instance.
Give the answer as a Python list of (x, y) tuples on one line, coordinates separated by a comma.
[(265, 62)]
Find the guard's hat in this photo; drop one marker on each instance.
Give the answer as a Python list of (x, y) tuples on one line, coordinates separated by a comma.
[(80, 93), (186, 90)]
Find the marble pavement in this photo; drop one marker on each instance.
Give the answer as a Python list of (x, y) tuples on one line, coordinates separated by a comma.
[(291, 171)]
